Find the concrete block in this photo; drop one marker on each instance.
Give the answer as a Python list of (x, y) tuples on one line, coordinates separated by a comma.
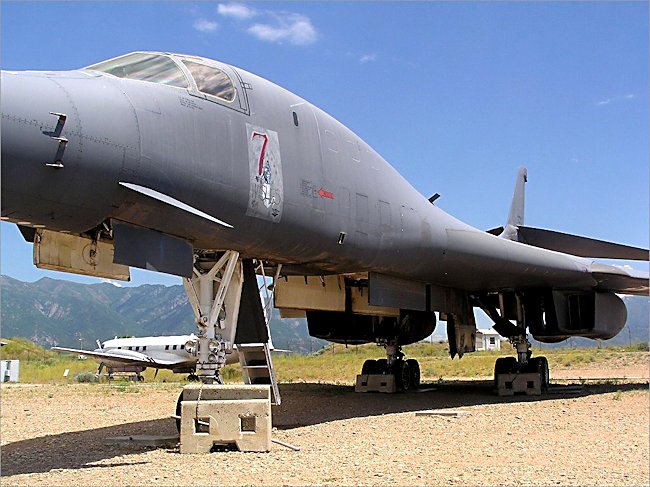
[(221, 392), (511, 384), (375, 383), (243, 420)]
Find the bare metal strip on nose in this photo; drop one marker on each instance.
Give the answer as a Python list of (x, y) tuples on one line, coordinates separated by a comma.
[(152, 193), (56, 135)]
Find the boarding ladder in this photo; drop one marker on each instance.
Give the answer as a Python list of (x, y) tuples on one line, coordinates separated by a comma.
[(255, 358), (257, 367)]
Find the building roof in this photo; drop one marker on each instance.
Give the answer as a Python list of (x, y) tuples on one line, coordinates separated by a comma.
[(487, 331)]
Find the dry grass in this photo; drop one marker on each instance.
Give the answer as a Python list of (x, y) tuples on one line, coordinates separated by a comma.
[(335, 364)]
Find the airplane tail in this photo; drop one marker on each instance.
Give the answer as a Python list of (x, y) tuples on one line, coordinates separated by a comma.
[(516, 215), (560, 242)]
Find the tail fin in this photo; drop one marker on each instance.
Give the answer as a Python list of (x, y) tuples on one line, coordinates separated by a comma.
[(557, 241), (516, 215)]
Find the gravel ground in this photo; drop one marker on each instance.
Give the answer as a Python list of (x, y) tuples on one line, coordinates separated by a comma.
[(54, 435)]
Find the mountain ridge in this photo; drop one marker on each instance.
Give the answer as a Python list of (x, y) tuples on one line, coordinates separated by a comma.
[(56, 312)]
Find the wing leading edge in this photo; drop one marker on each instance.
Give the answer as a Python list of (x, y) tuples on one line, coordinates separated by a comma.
[(126, 357)]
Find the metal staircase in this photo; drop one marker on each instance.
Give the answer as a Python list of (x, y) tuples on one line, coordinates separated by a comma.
[(255, 358), (257, 367)]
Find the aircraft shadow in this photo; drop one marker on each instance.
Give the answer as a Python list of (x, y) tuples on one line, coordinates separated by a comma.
[(302, 405), (77, 450), (336, 402)]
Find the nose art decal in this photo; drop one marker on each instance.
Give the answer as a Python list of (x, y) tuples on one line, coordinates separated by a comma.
[(266, 194)]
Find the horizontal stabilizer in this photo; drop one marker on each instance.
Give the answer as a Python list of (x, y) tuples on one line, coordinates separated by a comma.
[(580, 246)]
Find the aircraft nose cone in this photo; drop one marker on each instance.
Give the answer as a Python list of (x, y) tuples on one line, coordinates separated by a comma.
[(66, 137)]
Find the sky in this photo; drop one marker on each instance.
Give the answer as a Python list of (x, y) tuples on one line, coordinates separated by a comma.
[(455, 95)]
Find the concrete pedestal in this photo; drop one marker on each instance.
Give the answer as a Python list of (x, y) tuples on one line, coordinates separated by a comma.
[(225, 415), (375, 383), (511, 384)]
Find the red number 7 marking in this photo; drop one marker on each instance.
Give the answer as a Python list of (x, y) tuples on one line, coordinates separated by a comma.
[(263, 151)]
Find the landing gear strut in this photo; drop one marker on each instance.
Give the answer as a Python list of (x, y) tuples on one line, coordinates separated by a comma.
[(214, 292), (523, 374), (406, 373)]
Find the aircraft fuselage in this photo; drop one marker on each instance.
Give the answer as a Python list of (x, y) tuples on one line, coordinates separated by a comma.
[(296, 186)]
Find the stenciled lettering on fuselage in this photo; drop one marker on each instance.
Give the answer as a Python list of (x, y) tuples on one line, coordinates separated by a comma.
[(266, 194)]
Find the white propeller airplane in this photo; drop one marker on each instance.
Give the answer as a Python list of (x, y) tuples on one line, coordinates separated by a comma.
[(135, 354)]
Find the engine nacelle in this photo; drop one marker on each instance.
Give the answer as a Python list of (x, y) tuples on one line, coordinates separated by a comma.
[(553, 316)]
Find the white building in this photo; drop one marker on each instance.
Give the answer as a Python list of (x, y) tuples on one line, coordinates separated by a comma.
[(487, 339)]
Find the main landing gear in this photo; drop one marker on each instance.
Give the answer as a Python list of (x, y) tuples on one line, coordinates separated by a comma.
[(404, 374), (523, 374)]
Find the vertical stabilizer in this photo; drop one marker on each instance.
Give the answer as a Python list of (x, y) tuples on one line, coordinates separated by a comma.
[(516, 215)]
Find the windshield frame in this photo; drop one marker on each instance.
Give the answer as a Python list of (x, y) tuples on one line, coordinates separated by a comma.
[(186, 76)]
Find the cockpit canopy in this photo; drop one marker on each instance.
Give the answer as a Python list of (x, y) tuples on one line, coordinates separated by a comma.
[(173, 70)]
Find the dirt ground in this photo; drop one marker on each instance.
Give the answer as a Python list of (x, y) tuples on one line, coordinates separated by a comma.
[(54, 435)]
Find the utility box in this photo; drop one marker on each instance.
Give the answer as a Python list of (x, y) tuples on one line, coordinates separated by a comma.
[(9, 370)]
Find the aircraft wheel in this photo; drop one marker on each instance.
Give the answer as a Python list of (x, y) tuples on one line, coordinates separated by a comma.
[(382, 366), (546, 374), (539, 365), (369, 367), (402, 373), (178, 411), (415, 372), (503, 365)]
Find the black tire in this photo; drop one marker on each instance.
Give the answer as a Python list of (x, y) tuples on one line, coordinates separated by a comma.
[(415, 373), (178, 411), (382, 366), (503, 365), (369, 367), (402, 373), (545, 373), (539, 365)]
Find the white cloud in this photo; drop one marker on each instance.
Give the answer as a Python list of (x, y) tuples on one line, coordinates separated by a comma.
[(615, 99), (205, 26), (367, 58), (293, 28), (236, 10)]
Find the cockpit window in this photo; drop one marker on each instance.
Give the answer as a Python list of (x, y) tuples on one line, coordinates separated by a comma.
[(211, 81), (154, 68)]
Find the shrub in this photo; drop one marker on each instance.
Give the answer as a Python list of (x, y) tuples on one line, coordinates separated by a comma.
[(85, 377)]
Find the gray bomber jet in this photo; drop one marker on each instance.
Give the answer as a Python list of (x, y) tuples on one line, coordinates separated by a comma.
[(193, 167)]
